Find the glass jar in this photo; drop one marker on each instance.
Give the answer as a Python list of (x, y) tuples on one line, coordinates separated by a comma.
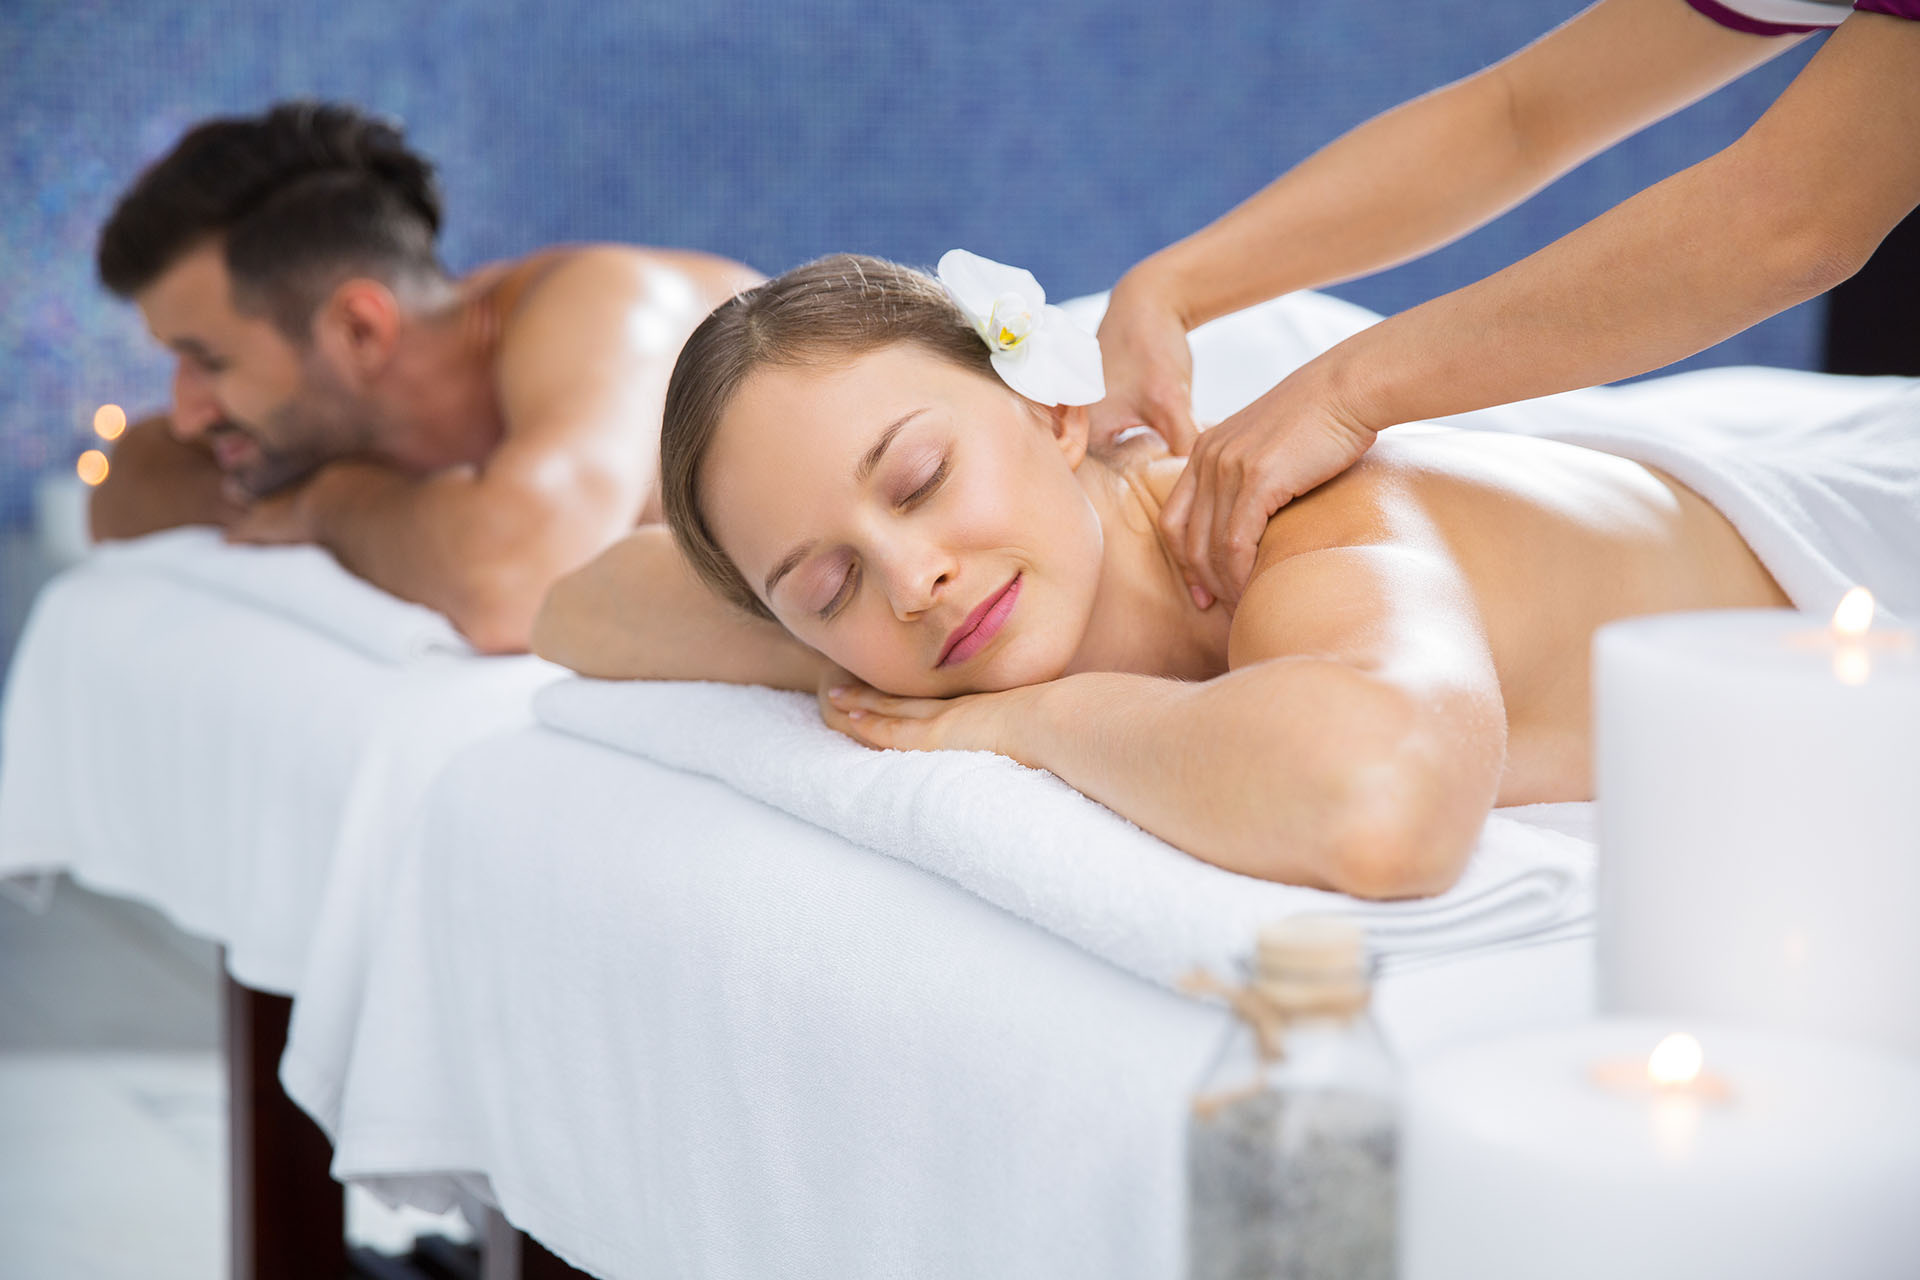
[(1293, 1137)]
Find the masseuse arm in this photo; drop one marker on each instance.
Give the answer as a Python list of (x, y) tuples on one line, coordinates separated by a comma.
[(1792, 208), (638, 612), (581, 371), (1357, 744), (1409, 181)]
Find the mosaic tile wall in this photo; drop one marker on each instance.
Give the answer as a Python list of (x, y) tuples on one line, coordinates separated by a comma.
[(1071, 136)]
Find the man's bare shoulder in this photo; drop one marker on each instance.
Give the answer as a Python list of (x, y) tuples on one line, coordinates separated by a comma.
[(598, 326), (547, 290)]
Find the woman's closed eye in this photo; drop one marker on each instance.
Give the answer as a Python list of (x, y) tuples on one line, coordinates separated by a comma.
[(841, 596), (926, 488), (919, 495)]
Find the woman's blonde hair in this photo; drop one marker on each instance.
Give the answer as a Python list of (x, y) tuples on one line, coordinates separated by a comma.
[(826, 313)]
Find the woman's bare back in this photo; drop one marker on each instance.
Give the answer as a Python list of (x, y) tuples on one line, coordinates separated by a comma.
[(1553, 541)]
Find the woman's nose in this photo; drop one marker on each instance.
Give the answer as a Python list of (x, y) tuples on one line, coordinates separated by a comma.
[(194, 406), (916, 580)]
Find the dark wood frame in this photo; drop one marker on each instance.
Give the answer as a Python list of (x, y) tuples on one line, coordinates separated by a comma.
[(288, 1217)]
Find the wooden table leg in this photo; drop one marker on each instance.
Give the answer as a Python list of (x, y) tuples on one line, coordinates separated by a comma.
[(288, 1216), (537, 1264)]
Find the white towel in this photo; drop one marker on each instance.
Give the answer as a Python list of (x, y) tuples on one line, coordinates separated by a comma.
[(1820, 474), (303, 583), (1029, 843), (178, 745)]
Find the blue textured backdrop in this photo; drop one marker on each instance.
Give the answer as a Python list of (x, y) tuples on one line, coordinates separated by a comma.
[(1071, 136)]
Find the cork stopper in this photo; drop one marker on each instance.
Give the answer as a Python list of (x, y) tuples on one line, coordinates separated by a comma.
[(1313, 965)]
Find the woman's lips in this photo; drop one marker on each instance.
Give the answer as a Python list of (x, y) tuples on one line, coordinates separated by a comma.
[(981, 626)]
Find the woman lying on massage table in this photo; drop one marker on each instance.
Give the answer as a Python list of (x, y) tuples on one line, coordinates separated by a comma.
[(839, 459)]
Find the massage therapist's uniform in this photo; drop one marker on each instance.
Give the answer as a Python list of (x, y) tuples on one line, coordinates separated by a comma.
[(1791, 17)]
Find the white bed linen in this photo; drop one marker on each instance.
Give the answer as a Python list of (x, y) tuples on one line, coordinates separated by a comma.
[(171, 739), (674, 1032)]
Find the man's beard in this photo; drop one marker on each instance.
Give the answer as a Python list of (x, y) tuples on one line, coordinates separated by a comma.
[(272, 469)]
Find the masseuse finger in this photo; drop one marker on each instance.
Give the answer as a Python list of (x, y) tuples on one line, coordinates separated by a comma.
[(1246, 523), (1196, 536)]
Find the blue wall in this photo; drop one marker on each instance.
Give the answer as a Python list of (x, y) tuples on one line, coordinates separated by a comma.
[(1070, 136)]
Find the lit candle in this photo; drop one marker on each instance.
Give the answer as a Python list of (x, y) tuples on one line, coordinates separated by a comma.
[(1590, 1152), (1758, 774)]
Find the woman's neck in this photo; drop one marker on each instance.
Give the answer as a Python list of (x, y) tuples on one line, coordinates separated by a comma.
[(1144, 620)]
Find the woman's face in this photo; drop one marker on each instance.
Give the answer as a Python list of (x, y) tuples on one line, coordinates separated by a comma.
[(917, 523)]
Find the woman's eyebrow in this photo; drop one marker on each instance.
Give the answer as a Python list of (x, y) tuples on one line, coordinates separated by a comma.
[(791, 561), (872, 460)]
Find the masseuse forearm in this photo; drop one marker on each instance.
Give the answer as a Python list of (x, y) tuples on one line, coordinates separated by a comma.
[(1790, 210), (1680, 267), (1396, 187), (1297, 770)]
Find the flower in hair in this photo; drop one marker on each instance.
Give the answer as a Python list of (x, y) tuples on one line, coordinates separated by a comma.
[(1037, 350)]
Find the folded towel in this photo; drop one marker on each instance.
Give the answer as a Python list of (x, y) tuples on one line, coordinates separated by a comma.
[(302, 583), (1026, 841)]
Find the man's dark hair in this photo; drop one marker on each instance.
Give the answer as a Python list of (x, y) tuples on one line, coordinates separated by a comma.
[(304, 196)]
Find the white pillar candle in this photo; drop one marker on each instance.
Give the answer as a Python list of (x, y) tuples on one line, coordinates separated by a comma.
[(1758, 775), (1800, 1158)]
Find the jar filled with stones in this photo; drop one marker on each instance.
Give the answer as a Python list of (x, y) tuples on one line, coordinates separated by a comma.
[(1292, 1143)]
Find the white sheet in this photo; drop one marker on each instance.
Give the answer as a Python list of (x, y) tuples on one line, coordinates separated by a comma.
[(210, 755), (303, 583), (672, 1031)]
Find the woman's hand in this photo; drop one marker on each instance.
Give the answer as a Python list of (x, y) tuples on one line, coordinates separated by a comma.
[(1292, 439), (971, 722), (1149, 367)]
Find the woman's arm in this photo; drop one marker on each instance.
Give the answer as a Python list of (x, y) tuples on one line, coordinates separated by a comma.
[(637, 611), (1411, 180), (1356, 746)]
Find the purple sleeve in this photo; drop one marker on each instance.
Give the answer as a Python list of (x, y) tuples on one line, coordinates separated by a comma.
[(1738, 21), (1909, 9)]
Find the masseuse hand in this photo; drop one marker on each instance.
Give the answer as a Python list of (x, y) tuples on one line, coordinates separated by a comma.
[(1239, 473), (1149, 368), (971, 722)]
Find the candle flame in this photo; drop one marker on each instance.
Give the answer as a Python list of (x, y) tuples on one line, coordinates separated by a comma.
[(91, 467), (1855, 613), (1675, 1061), (109, 420)]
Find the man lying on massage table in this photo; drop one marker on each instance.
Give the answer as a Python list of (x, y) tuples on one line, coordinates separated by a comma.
[(845, 457), (457, 442)]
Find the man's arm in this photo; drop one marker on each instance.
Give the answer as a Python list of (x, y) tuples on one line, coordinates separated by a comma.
[(1411, 180), (637, 611), (155, 481), (582, 375), (1357, 745)]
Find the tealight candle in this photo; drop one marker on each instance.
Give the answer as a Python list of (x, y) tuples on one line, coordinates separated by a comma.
[(1602, 1150), (1758, 773)]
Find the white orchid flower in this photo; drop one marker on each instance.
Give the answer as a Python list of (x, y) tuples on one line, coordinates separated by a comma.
[(1037, 350)]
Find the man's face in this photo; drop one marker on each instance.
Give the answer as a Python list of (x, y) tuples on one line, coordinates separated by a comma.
[(269, 411)]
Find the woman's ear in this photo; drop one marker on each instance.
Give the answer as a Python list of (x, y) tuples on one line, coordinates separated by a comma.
[(357, 327), (1072, 428)]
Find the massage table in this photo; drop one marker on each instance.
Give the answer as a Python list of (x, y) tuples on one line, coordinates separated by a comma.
[(213, 731), (673, 1005)]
